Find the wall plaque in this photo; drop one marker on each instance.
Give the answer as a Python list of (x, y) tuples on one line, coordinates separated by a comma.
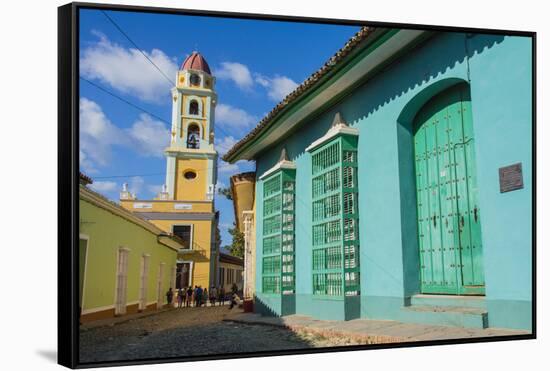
[(510, 177), (142, 205), (183, 206)]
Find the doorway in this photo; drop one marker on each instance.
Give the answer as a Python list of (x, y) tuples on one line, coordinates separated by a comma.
[(448, 212)]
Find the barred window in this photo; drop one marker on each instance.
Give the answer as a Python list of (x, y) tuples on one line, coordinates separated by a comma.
[(334, 215), (278, 232)]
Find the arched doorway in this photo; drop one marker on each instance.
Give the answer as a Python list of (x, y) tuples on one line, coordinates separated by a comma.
[(449, 220)]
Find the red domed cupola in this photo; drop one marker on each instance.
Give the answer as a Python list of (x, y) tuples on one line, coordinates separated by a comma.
[(195, 62)]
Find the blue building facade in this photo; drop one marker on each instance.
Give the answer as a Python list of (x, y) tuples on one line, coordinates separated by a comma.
[(375, 91)]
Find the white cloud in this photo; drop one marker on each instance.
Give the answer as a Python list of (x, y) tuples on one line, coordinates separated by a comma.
[(98, 135), (235, 117), (224, 144), (154, 188), (236, 72), (136, 184), (227, 168), (127, 70), (278, 87), (104, 186), (149, 136), (86, 164)]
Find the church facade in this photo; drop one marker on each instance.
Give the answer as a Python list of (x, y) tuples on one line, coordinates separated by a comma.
[(185, 206), (396, 183)]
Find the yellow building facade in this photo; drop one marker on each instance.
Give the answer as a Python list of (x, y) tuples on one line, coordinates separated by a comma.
[(185, 206), (126, 264), (243, 193)]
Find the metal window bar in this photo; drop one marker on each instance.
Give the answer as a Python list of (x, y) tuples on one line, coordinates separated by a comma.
[(278, 268), (335, 254)]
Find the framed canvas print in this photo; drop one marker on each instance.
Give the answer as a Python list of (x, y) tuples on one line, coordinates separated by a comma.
[(240, 185)]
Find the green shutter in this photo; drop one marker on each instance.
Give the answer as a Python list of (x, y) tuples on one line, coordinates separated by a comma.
[(278, 271), (335, 233)]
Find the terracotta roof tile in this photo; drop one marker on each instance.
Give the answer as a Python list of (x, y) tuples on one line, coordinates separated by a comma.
[(308, 84)]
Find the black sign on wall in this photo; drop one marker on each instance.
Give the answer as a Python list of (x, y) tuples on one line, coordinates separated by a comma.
[(510, 177)]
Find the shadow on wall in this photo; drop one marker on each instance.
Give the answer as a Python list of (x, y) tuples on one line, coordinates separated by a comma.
[(263, 308), (437, 56)]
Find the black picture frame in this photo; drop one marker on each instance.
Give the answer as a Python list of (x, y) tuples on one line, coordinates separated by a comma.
[(68, 180)]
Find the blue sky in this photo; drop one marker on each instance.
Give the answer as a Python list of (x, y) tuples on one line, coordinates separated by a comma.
[(256, 64)]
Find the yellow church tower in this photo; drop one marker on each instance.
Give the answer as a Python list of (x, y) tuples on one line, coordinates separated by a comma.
[(185, 206)]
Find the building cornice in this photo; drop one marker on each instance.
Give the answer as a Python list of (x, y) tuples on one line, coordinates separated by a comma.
[(357, 61), (100, 201)]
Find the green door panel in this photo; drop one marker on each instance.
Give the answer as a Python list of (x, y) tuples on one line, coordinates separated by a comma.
[(447, 208)]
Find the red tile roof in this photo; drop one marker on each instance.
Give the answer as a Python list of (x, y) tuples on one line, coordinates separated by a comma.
[(196, 62)]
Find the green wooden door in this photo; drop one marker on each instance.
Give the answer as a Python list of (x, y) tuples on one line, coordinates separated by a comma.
[(449, 224)]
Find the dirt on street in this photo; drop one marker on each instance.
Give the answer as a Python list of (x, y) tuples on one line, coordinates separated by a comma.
[(191, 332)]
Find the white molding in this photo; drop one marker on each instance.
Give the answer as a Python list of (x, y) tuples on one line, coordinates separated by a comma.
[(121, 300), (284, 164), (331, 133), (143, 280), (87, 239), (160, 288), (191, 262)]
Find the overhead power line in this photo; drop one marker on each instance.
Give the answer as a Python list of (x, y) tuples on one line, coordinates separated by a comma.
[(119, 28), (137, 47), (124, 100)]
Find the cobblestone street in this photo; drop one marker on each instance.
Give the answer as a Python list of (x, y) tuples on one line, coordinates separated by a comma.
[(191, 331)]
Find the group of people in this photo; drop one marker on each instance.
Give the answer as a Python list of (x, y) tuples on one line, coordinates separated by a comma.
[(198, 296)]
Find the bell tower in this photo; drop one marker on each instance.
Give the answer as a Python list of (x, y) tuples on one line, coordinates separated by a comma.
[(191, 160)]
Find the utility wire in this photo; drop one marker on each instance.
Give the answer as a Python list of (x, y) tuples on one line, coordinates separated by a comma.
[(153, 174), (137, 47), (124, 100), (136, 106), (149, 59)]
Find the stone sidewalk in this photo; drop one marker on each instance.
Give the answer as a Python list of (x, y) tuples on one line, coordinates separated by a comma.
[(371, 331)]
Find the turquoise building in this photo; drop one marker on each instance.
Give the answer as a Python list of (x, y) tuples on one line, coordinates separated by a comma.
[(396, 183)]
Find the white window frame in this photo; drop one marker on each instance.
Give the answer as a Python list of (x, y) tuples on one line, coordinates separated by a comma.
[(190, 271), (87, 238), (121, 300), (144, 281), (192, 233), (160, 288)]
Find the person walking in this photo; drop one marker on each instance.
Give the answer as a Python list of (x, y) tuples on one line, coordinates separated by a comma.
[(181, 294), (169, 296), (189, 298), (213, 296)]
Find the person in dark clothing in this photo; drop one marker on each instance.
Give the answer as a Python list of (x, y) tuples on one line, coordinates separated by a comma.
[(221, 296), (169, 296), (213, 295), (198, 292), (196, 295), (181, 294), (189, 298)]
